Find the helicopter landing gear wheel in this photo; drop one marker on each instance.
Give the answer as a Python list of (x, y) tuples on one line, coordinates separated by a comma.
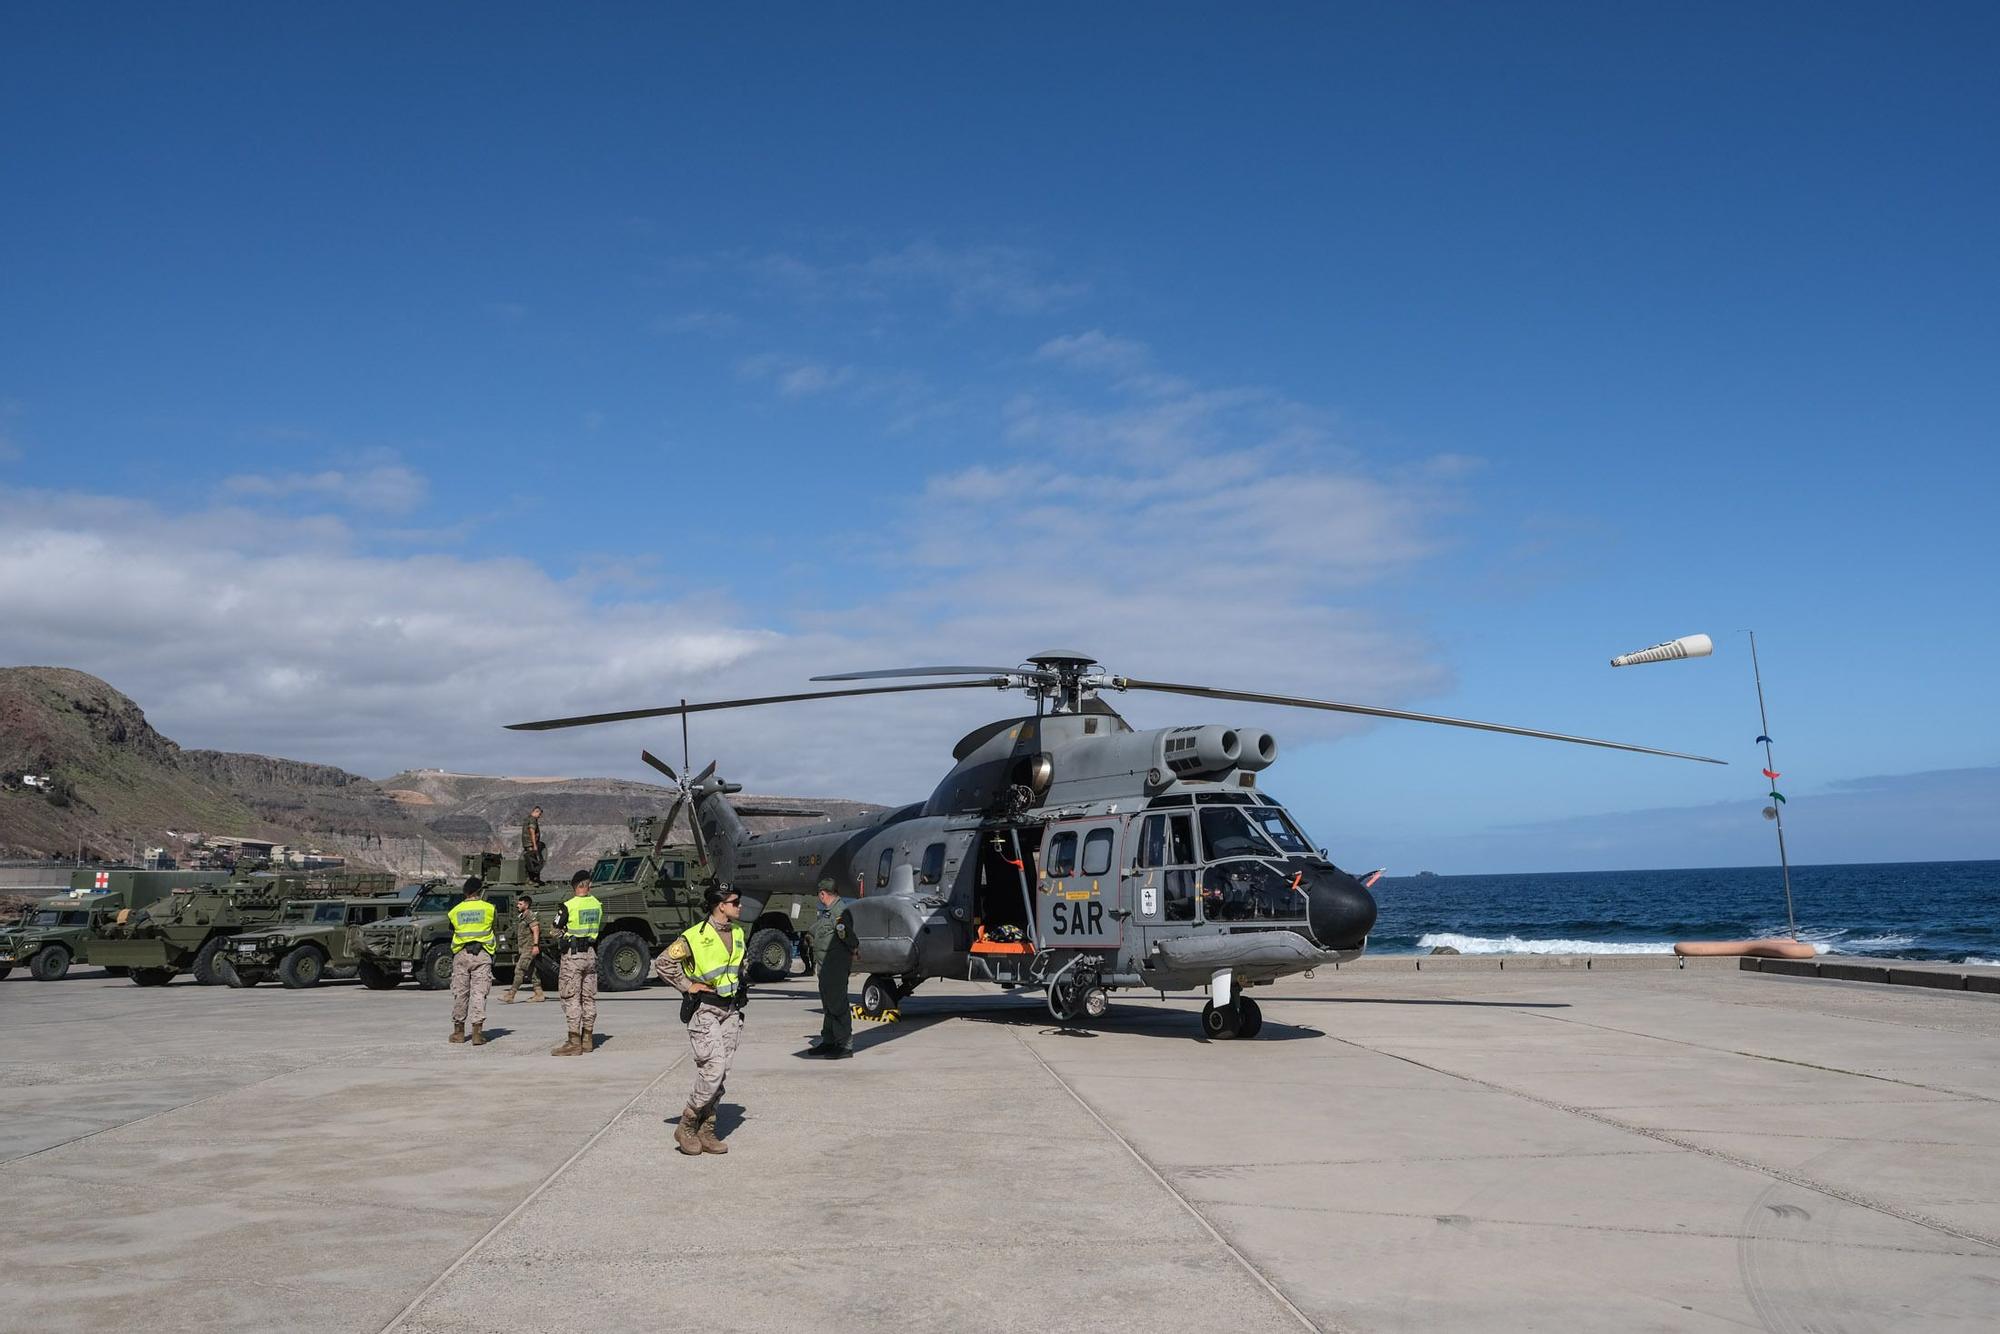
[(1253, 1018), (878, 995), (1219, 1023)]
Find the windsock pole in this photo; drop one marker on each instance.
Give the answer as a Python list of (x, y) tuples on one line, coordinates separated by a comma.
[(1771, 772)]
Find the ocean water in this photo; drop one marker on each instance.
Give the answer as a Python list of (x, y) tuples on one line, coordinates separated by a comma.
[(1947, 911)]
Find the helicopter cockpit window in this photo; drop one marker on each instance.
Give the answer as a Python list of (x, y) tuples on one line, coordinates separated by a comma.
[(1061, 859), (882, 865), (1097, 852), (1246, 891), (1166, 842), (1227, 832), (933, 868), (1278, 827)]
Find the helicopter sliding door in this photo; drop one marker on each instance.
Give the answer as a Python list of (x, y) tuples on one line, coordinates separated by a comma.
[(1080, 886)]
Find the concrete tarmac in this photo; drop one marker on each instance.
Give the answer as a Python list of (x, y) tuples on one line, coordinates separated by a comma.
[(1627, 1146)]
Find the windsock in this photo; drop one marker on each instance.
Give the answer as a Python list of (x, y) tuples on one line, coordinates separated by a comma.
[(1687, 646)]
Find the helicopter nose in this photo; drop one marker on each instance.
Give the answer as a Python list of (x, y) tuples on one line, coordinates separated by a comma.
[(1341, 911)]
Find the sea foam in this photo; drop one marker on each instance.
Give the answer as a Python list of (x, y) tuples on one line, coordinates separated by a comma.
[(1517, 945)]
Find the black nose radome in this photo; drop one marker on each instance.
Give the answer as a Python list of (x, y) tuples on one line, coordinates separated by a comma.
[(1342, 912)]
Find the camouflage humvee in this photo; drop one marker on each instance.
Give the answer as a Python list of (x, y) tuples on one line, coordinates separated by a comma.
[(57, 930), (311, 939), (186, 930), (649, 898)]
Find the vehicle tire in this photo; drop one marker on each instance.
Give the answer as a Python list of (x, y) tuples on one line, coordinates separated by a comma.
[(239, 977), (377, 978), (225, 973), (301, 968), (6, 968), (434, 973), (110, 970), (1219, 1024), (50, 963), (623, 960), (769, 957), (878, 995), (152, 977), (1065, 1000), (1253, 1019), (203, 968), (549, 969)]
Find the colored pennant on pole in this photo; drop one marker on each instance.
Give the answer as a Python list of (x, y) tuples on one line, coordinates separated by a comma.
[(1764, 740), (1777, 795), (1773, 777)]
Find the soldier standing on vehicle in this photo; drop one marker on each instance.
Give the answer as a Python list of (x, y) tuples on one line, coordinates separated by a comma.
[(531, 846), (579, 919), (527, 949), (471, 963), (833, 944), (705, 964)]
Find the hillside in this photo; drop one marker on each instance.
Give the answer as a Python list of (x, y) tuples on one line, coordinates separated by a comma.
[(132, 786)]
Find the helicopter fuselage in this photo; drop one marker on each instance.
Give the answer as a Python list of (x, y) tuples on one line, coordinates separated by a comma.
[(1070, 841)]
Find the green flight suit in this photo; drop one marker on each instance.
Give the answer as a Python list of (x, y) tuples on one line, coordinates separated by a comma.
[(833, 942)]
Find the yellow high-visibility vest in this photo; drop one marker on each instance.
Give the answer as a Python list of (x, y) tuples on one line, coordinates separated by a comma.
[(719, 965), (586, 917), (472, 924)]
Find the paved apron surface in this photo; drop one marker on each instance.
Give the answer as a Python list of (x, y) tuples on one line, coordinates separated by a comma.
[(1631, 1149)]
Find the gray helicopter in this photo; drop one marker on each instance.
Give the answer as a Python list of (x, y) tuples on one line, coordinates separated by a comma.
[(1068, 852)]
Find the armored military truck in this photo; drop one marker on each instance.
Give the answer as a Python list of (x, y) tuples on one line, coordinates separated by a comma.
[(311, 939), (185, 931), (57, 931), (649, 897)]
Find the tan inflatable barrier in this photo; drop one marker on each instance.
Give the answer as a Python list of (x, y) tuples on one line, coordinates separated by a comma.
[(1762, 949)]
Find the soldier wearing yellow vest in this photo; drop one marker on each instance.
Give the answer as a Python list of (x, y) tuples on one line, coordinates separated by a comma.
[(471, 963), (579, 920), (705, 964)]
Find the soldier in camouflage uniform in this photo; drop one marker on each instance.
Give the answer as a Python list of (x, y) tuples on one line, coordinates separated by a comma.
[(705, 964), (531, 846), (833, 943), (527, 950)]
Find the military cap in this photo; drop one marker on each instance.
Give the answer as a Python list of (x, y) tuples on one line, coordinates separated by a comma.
[(826, 885)]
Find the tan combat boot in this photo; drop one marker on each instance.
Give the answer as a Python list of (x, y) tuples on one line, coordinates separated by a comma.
[(586, 1041), (569, 1048), (686, 1138), (709, 1143), (479, 1035), (458, 1030)]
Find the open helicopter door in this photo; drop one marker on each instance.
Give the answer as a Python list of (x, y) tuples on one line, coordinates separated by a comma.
[(1081, 903)]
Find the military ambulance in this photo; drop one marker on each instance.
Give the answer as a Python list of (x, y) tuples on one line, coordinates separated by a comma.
[(57, 931)]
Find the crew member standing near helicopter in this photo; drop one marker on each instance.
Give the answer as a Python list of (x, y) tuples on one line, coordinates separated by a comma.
[(471, 963), (531, 846), (579, 919), (705, 964), (527, 950), (833, 942)]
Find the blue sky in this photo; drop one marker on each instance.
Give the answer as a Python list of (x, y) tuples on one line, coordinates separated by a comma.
[(368, 379)]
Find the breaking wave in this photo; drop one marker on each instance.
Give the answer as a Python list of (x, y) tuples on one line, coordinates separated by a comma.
[(1517, 945)]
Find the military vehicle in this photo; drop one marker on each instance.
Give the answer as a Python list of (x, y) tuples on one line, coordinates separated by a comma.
[(57, 930), (311, 940), (416, 943), (184, 932), (1070, 852)]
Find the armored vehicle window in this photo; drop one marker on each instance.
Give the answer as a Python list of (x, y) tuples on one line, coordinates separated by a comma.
[(1061, 860), (882, 867), (1226, 832), (629, 869), (677, 870), (436, 901), (1278, 827), (605, 871), (46, 917), (75, 918), (329, 912), (933, 870), (1097, 852)]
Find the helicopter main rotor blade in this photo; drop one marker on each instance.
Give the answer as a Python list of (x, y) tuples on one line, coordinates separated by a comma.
[(1031, 673), (590, 719), (667, 825), (1334, 706), (702, 777), (650, 758)]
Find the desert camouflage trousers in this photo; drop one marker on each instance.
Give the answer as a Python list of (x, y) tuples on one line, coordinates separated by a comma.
[(578, 988), (712, 1033), (471, 979)]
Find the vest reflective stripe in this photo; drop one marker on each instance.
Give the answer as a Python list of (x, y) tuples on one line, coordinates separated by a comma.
[(472, 924), (714, 963), (586, 917)]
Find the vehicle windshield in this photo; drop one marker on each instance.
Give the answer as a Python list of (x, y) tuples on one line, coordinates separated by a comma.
[(436, 901), (295, 912), (1227, 832), (44, 917), (1278, 827)]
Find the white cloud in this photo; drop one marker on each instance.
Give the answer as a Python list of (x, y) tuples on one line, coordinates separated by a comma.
[(1095, 350), (383, 487), (994, 278), (793, 377)]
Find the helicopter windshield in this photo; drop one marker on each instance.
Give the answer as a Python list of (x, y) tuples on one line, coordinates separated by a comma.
[(1249, 891), (1277, 825), (1227, 832)]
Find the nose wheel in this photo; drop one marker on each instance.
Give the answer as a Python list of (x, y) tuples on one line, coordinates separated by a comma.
[(1241, 1018)]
